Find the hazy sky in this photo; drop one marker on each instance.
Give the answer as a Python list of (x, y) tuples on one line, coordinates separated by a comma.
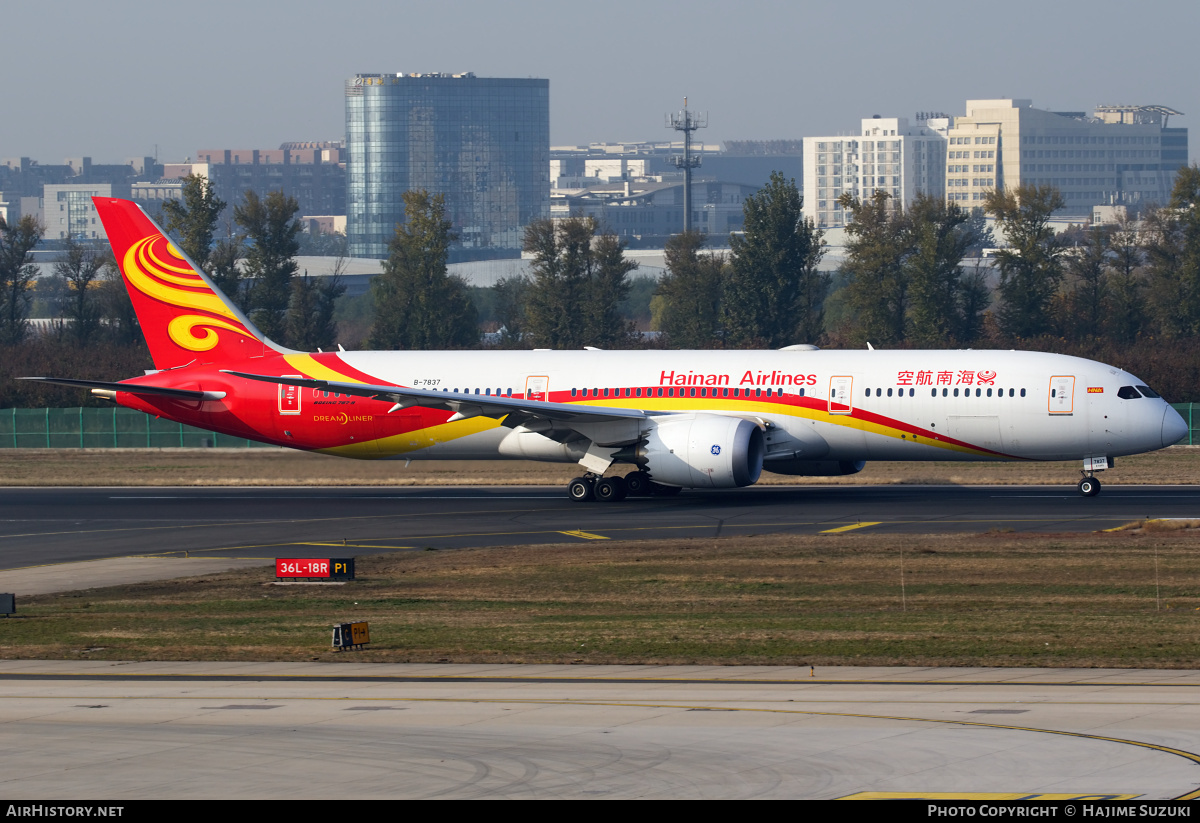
[(115, 79)]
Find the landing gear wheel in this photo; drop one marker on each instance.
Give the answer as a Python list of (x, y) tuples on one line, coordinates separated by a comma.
[(638, 484), (581, 490), (610, 489), (1089, 487), (659, 490)]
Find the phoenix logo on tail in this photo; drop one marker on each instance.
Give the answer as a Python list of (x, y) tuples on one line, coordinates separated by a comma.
[(184, 316)]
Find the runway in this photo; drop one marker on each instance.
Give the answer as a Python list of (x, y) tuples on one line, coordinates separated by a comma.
[(59, 525), (78, 729)]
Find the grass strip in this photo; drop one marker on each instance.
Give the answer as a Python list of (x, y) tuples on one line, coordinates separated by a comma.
[(975, 600)]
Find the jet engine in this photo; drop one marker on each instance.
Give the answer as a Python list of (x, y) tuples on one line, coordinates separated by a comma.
[(702, 451), (816, 468)]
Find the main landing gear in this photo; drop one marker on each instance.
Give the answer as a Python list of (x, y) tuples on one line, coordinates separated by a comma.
[(614, 489)]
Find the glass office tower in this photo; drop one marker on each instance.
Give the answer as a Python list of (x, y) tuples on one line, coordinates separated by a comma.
[(483, 142)]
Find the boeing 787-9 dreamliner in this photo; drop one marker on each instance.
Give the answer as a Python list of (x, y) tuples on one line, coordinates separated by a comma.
[(679, 419)]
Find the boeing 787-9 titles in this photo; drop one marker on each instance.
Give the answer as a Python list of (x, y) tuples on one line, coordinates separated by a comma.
[(680, 419)]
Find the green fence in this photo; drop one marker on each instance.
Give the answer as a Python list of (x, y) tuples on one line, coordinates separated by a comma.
[(119, 428), (115, 428), (1193, 421)]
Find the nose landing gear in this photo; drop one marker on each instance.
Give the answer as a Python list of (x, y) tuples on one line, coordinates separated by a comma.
[(1089, 486)]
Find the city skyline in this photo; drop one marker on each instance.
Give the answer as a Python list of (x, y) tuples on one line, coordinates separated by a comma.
[(131, 77)]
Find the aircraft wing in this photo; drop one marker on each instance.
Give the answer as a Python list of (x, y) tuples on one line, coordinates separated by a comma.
[(517, 409), (131, 388)]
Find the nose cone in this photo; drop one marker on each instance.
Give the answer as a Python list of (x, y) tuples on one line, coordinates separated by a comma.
[(1174, 427)]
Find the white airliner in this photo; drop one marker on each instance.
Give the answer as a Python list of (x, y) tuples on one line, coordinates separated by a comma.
[(679, 419)]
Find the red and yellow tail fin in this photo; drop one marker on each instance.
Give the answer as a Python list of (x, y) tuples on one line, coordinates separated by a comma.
[(184, 317)]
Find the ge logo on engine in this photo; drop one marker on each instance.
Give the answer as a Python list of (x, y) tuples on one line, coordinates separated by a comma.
[(716, 449)]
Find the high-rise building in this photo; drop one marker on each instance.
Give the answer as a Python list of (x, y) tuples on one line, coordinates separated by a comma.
[(888, 154), (483, 142), (1120, 155)]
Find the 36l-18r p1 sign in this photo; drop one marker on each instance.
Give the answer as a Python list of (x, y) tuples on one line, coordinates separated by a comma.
[(330, 568)]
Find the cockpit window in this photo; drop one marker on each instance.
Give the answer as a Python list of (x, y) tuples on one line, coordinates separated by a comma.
[(1128, 393), (1149, 392)]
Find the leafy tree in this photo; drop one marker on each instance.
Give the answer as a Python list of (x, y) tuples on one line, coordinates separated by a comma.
[(511, 296), (1031, 265), (271, 227), (323, 244), (192, 219), (1127, 283), (417, 304), (1173, 254), (115, 306), (17, 273), (603, 322), (688, 300), (1084, 306), (774, 294), (79, 268), (974, 298), (876, 268), (310, 321), (945, 302), (579, 281)]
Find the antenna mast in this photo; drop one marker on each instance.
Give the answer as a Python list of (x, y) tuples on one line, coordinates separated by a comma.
[(687, 122)]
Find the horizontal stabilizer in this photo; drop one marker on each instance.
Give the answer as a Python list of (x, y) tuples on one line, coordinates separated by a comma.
[(132, 388)]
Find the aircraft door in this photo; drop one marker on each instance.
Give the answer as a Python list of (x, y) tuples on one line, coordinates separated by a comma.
[(841, 394), (537, 387), (289, 397), (1062, 394)]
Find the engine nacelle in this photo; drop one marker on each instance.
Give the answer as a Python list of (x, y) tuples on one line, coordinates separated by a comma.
[(816, 468), (703, 451)]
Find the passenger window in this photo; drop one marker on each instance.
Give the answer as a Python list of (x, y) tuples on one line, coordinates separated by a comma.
[(1149, 392), (946, 392), (802, 392), (758, 392), (704, 392), (660, 392), (639, 393), (989, 392), (933, 392), (1053, 392), (691, 393), (1128, 393), (1022, 392), (956, 392), (911, 392), (724, 392), (606, 392), (573, 392), (627, 392), (889, 392), (670, 392), (868, 394), (979, 392)]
